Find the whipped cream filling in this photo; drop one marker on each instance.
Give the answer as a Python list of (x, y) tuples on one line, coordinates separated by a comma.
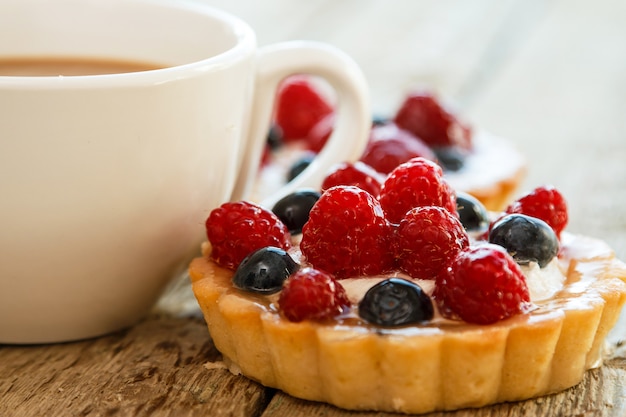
[(492, 160), (543, 283)]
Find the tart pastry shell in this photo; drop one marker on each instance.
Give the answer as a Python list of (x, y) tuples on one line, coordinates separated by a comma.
[(443, 365)]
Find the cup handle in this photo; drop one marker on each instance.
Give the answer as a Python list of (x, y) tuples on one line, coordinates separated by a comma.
[(352, 122)]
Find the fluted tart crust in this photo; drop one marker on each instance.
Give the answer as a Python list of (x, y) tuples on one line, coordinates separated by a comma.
[(442, 365)]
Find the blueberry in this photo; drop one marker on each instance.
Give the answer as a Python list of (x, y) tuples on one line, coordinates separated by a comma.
[(379, 120), (300, 165), (275, 137), (264, 271), (395, 302), (293, 209), (451, 158), (526, 239), (472, 213)]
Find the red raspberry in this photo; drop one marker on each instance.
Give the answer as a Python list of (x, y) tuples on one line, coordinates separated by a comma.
[(482, 285), (424, 116), (311, 294), (347, 234), (427, 239), (357, 174), (545, 203), (235, 230), (299, 106), (418, 182), (390, 146), (319, 133)]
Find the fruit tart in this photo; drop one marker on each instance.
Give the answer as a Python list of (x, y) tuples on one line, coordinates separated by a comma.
[(412, 299), (484, 165)]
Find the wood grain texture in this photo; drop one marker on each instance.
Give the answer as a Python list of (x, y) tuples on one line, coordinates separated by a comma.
[(550, 75), (155, 368)]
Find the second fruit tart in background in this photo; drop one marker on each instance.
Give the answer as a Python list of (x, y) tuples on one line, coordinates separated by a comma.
[(474, 161)]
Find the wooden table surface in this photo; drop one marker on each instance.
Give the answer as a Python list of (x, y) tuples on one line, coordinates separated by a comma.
[(550, 75)]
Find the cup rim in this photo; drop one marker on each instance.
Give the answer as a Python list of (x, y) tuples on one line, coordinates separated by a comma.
[(242, 32)]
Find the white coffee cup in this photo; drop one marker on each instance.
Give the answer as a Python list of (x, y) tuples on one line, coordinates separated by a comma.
[(106, 180)]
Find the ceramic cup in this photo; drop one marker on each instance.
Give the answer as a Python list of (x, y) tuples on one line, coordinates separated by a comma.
[(106, 180)]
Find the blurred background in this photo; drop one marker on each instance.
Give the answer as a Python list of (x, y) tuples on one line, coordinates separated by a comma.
[(549, 75)]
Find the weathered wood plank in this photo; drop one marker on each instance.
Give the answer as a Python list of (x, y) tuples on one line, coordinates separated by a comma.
[(560, 97), (399, 45), (156, 368)]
